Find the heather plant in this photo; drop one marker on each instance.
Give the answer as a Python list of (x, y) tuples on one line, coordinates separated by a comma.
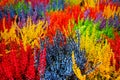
[(5, 23), (76, 69), (59, 61), (98, 53), (114, 44), (84, 25), (16, 62), (29, 34)]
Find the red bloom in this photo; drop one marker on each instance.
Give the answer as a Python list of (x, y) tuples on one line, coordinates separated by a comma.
[(115, 45), (23, 58), (30, 73), (37, 2), (5, 23), (42, 62)]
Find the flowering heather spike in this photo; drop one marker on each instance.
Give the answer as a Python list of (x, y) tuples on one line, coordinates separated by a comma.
[(23, 58), (34, 17), (103, 24), (12, 12), (42, 63), (40, 60), (7, 69), (110, 22), (23, 19), (6, 23), (76, 69), (30, 71), (98, 17), (86, 13), (14, 62), (60, 4), (114, 44)]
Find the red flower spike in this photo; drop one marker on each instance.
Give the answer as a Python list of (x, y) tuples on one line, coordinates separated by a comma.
[(14, 64), (5, 23), (1, 25), (7, 67), (23, 58), (30, 73), (42, 62), (114, 44)]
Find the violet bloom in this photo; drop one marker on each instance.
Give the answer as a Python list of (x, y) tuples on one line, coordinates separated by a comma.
[(86, 13), (116, 21), (34, 17), (110, 21), (23, 19), (19, 22), (99, 17), (103, 24), (116, 24)]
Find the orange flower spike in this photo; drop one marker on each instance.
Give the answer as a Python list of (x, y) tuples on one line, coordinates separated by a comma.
[(6, 2), (4, 23)]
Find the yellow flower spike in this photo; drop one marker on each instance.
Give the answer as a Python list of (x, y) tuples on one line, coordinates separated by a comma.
[(9, 35), (29, 34), (32, 32), (110, 12), (118, 11), (113, 11), (91, 3), (73, 2), (76, 69)]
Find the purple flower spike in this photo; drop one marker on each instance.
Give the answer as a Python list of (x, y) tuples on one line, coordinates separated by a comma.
[(103, 24), (99, 17), (34, 17), (86, 13), (23, 19), (110, 22)]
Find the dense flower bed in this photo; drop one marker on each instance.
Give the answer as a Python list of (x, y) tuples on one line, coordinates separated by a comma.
[(59, 40)]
